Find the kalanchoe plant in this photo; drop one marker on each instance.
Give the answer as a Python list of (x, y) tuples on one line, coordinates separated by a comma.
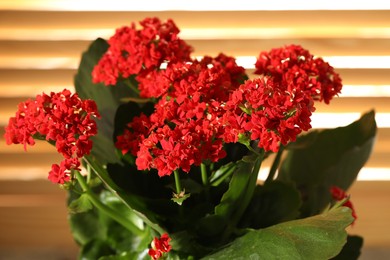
[(172, 147)]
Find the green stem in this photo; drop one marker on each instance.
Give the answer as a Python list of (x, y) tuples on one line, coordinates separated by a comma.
[(205, 178), (205, 181), (104, 208), (177, 181), (89, 173), (131, 86), (275, 165)]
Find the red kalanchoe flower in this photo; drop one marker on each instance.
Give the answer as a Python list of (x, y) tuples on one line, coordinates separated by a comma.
[(266, 111), (135, 51), (61, 118), (339, 194), (294, 64), (186, 127), (160, 246)]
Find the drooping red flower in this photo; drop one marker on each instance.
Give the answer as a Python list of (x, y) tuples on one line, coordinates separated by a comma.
[(139, 52), (61, 118), (294, 64), (339, 194), (160, 246)]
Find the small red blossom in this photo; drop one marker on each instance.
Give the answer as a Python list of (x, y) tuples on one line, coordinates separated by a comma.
[(339, 194), (160, 246), (62, 118)]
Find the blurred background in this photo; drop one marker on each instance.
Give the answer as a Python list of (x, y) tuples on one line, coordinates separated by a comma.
[(41, 43)]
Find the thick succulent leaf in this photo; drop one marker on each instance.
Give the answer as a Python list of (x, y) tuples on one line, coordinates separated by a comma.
[(81, 204), (240, 184), (318, 237), (94, 249), (321, 159), (135, 203), (86, 226), (351, 250), (107, 98), (272, 203)]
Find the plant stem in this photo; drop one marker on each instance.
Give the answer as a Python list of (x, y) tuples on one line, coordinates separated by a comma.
[(177, 181), (131, 86), (104, 208), (205, 181), (205, 178), (275, 165)]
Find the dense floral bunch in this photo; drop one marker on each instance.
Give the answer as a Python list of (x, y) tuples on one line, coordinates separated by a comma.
[(187, 126), (140, 52), (295, 68), (204, 104), (62, 118)]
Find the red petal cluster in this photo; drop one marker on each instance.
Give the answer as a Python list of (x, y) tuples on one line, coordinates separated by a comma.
[(186, 127), (201, 105), (61, 118), (139, 52), (339, 194), (160, 246), (273, 113), (294, 65)]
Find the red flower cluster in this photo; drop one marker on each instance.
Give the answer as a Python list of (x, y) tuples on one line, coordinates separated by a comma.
[(140, 52), (186, 127), (62, 118), (160, 246), (201, 105), (297, 68), (273, 114), (339, 194)]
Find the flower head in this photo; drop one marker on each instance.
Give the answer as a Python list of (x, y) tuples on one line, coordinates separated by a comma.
[(61, 118), (140, 51), (265, 110), (160, 246), (185, 128), (294, 66)]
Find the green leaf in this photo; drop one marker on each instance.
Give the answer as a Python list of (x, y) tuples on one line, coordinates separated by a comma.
[(321, 159), (86, 226), (318, 237), (128, 256), (180, 198), (82, 204), (272, 203), (94, 249), (222, 174), (133, 202), (351, 249), (107, 99), (238, 187)]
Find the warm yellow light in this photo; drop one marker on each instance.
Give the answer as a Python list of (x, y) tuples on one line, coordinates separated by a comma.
[(333, 120), (365, 91), (346, 62), (199, 5), (365, 174)]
